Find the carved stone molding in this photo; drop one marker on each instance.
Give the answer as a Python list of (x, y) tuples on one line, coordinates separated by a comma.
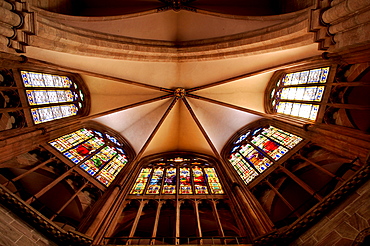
[(319, 27), (40, 223), (25, 29)]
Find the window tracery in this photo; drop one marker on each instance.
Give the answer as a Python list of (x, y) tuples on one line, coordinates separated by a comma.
[(97, 153), (51, 97), (183, 176), (30, 98), (299, 93), (258, 149)]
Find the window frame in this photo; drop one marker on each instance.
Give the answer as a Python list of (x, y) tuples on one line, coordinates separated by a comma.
[(230, 145), (24, 105), (151, 161), (94, 126), (278, 75)]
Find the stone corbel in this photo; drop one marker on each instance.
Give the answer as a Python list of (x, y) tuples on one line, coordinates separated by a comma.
[(319, 27), (25, 29)]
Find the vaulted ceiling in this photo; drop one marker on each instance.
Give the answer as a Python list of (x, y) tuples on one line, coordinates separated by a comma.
[(220, 57)]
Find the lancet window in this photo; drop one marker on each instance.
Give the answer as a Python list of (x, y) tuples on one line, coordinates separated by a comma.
[(299, 93), (96, 152), (258, 149), (51, 97), (183, 176)]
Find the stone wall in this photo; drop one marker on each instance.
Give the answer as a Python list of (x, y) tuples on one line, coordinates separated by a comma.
[(343, 224), (13, 231)]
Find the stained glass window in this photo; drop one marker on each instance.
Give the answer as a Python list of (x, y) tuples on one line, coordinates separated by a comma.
[(183, 176), (255, 151), (94, 152), (51, 97), (300, 93)]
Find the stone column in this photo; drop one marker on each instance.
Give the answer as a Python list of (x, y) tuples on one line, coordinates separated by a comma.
[(137, 218), (157, 216), (258, 221), (199, 228)]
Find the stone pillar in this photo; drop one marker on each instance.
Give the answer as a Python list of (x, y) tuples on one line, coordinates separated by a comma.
[(258, 221), (199, 228), (217, 218), (137, 218), (157, 216)]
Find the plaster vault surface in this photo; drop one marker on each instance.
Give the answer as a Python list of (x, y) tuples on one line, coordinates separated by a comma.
[(219, 93)]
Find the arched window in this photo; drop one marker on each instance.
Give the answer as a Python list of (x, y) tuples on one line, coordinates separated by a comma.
[(30, 98), (299, 93), (96, 152), (183, 176), (51, 97), (257, 149)]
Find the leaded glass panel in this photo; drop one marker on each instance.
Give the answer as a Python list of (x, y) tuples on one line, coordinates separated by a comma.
[(178, 175), (90, 150), (300, 86), (260, 150), (213, 181)]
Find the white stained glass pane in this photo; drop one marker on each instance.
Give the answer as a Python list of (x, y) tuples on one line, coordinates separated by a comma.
[(31, 79), (295, 109), (285, 107), (299, 92), (39, 97), (287, 93), (305, 111), (295, 78), (280, 108), (41, 115), (272, 93), (48, 80), (57, 112), (69, 110), (313, 93), (314, 76), (304, 77)]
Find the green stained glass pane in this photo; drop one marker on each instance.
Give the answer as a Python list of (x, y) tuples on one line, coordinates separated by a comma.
[(97, 161), (112, 169), (242, 167), (141, 181), (213, 181)]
